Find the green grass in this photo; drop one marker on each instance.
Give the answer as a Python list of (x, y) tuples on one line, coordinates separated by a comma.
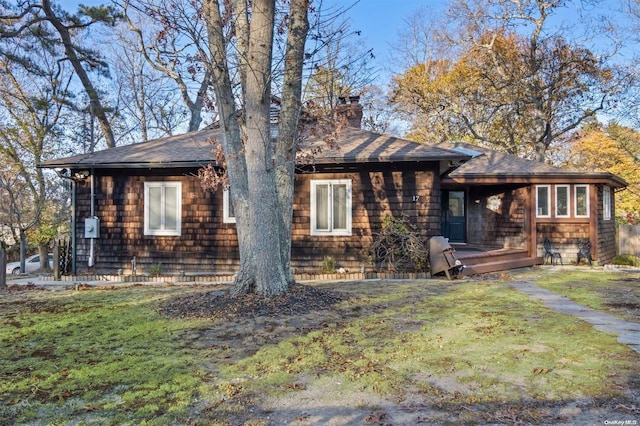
[(626, 260), (107, 357), (89, 355), (497, 343)]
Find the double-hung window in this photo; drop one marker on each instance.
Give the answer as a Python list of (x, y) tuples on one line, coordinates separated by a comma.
[(543, 201), (562, 201), (331, 207), (581, 200), (162, 208)]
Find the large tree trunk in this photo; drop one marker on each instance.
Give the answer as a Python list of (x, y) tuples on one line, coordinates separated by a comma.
[(263, 213), (43, 252), (269, 277), (288, 128)]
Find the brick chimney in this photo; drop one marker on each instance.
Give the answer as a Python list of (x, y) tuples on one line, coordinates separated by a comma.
[(351, 111)]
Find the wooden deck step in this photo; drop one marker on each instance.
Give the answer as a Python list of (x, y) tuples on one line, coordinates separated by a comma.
[(472, 258), (500, 265)]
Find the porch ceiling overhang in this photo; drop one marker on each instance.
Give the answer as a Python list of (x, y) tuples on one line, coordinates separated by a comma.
[(195, 149)]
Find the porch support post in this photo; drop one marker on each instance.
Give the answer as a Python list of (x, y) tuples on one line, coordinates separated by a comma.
[(593, 220), (3, 269), (531, 223)]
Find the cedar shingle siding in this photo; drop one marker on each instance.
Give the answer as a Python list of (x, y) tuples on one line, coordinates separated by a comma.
[(206, 244), (496, 216), (565, 232), (606, 231)]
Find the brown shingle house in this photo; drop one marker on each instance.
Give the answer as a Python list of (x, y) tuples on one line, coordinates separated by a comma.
[(144, 201)]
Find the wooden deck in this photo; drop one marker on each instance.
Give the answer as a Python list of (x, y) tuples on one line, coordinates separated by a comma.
[(478, 260)]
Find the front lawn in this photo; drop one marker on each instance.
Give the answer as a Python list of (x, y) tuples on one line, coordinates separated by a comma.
[(402, 352)]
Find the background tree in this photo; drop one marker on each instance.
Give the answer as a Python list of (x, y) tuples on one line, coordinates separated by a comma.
[(148, 105), (627, 65), (377, 117), (43, 25), (614, 149), (30, 125), (339, 66), (171, 36), (517, 84)]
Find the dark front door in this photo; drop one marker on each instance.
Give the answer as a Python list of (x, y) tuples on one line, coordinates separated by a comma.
[(454, 218)]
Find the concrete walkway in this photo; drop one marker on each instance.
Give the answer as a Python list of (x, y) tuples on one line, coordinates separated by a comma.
[(628, 332)]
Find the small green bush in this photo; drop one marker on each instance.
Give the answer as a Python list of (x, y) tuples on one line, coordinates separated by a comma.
[(627, 260), (155, 269), (328, 265)]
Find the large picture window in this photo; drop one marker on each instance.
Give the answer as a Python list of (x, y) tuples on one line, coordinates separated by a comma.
[(581, 200), (562, 201), (543, 201), (331, 207), (162, 208)]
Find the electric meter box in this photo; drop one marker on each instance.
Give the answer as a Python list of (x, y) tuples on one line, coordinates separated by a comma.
[(91, 227)]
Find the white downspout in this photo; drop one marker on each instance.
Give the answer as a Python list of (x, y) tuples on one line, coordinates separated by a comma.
[(74, 243), (91, 261)]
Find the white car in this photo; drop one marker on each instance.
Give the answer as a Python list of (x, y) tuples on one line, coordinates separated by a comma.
[(31, 264)]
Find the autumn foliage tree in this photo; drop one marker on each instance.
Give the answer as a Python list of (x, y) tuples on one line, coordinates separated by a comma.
[(614, 149), (517, 91)]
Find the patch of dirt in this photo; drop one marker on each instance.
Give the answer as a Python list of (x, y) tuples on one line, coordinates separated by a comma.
[(300, 299), (623, 298), (24, 287)]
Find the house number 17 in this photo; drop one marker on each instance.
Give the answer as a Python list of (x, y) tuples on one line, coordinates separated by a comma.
[(416, 198)]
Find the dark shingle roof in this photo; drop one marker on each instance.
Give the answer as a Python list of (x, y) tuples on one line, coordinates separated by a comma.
[(493, 166), (477, 165), (189, 149), (195, 150), (361, 146)]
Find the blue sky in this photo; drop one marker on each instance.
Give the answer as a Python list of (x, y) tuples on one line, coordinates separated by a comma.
[(378, 20), (381, 20)]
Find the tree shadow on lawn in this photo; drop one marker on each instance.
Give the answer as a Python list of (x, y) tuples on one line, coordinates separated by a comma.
[(623, 298), (420, 409)]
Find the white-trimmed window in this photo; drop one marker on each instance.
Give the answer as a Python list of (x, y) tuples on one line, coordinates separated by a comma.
[(606, 202), (581, 200), (562, 201), (162, 208), (543, 201), (228, 215), (331, 207)]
